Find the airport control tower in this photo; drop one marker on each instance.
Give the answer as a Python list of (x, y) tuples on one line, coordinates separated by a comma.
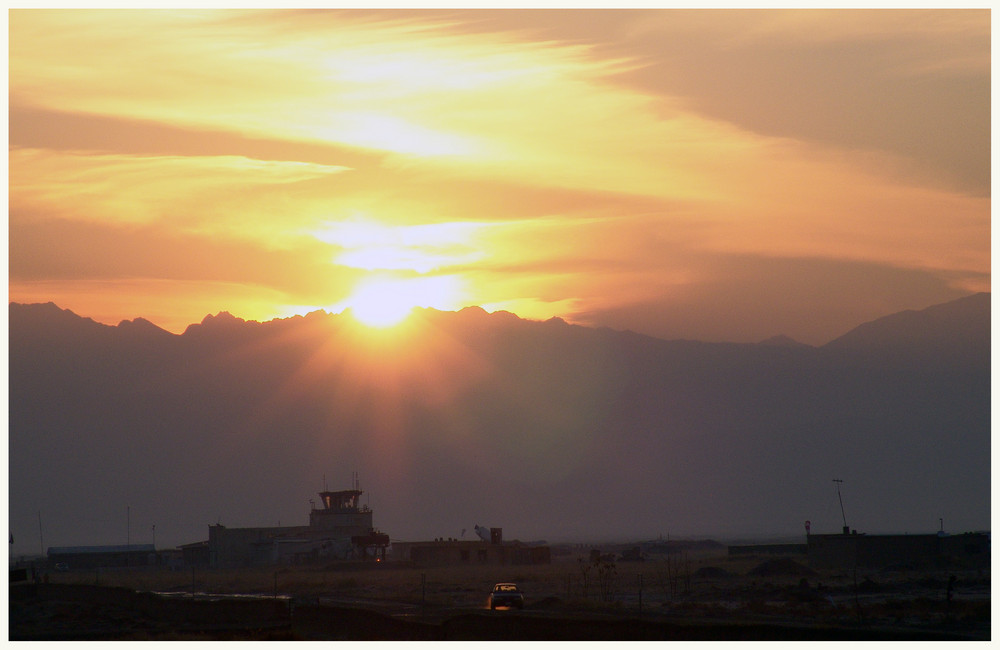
[(341, 515)]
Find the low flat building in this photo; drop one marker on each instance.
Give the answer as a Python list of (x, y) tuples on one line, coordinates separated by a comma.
[(450, 552), (769, 549), (94, 557), (195, 554), (339, 530), (845, 551)]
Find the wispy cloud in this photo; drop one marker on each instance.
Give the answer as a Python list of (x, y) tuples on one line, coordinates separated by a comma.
[(184, 191), (565, 163)]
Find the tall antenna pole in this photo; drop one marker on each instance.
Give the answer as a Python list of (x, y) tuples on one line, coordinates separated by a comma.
[(841, 499), (41, 540)]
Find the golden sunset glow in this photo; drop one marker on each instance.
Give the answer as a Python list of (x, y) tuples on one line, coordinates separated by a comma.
[(373, 246), (724, 175), (383, 302)]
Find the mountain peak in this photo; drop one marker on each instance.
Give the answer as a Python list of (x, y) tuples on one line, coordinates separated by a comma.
[(223, 321), (48, 318), (223, 318), (952, 332), (141, 326), (782, 341)]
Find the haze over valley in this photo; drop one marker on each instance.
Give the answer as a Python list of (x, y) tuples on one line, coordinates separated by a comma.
[(452, 419), (580, 274)]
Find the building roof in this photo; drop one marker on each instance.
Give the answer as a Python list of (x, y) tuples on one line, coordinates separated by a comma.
[(194, 545), (119, 548)]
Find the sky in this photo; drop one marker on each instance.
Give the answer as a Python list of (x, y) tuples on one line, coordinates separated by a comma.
[(720, 175)]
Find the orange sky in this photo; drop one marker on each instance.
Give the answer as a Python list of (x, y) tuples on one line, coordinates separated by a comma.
[(716, 175)]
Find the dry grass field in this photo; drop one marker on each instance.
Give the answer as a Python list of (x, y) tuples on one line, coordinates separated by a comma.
[(702, 587)]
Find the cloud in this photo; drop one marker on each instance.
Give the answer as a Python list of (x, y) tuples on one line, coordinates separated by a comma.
[(912, 83), (356, 82), (111, 272), (181, 190), (595, 159), (748, 298)]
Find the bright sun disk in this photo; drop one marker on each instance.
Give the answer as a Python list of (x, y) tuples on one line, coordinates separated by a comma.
[(387, 302)]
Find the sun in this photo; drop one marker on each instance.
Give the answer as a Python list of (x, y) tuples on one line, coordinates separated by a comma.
[(385, 302), (379, 308)]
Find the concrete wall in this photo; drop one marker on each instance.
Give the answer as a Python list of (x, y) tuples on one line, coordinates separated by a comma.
[(238, 547), (244, 547), (195, 554), (97, 559), (347, 524), (769, 549), (881, 551)]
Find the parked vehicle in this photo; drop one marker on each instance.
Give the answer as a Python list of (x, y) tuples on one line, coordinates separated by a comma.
[(506, 594)]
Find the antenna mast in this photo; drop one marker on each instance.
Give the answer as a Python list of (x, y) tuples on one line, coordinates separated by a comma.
[(841, 499)]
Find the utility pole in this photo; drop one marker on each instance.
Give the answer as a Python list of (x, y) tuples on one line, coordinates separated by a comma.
[(640, 595), (841, 499)]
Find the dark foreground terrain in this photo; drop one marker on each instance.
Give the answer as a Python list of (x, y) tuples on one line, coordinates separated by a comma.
[(387, 603), (81, 612)]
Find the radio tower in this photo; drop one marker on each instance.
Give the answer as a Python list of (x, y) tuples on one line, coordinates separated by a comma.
[(841, 499)]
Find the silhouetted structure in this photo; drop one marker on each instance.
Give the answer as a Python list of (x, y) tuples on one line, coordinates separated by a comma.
[(909, 551), (340, 530), (458, 552), (195, 554), (92, 557), (769, 549)]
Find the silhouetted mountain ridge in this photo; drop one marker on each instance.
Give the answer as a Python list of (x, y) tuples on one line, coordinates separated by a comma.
[(548, 429), (957, 331), (783, 341), (963, 322), (47, 319)]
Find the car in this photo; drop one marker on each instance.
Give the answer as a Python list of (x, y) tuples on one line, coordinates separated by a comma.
[(506, 594), (62, 567)]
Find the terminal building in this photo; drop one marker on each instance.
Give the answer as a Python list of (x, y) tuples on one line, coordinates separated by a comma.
[(488, 549), (339, 530)]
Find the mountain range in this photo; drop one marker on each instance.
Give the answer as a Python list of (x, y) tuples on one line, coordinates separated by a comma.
[(455, 419)]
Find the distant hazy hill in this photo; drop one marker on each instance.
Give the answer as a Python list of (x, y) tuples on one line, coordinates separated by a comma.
[(546, 429), (955, 333), (783, 342)]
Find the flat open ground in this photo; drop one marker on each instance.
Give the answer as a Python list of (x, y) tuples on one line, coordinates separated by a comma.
[(705, 595)]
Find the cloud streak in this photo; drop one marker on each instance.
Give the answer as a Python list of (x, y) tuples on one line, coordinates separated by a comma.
[(564, 163)]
